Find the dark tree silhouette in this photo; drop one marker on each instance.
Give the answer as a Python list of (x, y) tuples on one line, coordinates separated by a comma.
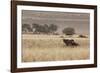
[(35, 25), (69, 31), (53, 28), (37, 28), (46, 28), (26, 28)]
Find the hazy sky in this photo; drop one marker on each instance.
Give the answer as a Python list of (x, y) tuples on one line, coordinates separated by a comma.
[(79, 21)]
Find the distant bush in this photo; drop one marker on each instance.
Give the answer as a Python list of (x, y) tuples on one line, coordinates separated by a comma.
[(82, 36), (61, 36)]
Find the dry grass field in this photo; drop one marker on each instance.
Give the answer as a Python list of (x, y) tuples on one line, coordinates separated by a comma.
[(52, 48)]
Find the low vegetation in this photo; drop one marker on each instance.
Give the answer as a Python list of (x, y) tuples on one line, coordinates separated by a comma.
[(52, 48)]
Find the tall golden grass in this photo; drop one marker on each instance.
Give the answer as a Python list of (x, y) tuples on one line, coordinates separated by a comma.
[(51, 48)]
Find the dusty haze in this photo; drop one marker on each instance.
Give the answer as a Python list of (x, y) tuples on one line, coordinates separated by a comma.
[(79, 21)]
